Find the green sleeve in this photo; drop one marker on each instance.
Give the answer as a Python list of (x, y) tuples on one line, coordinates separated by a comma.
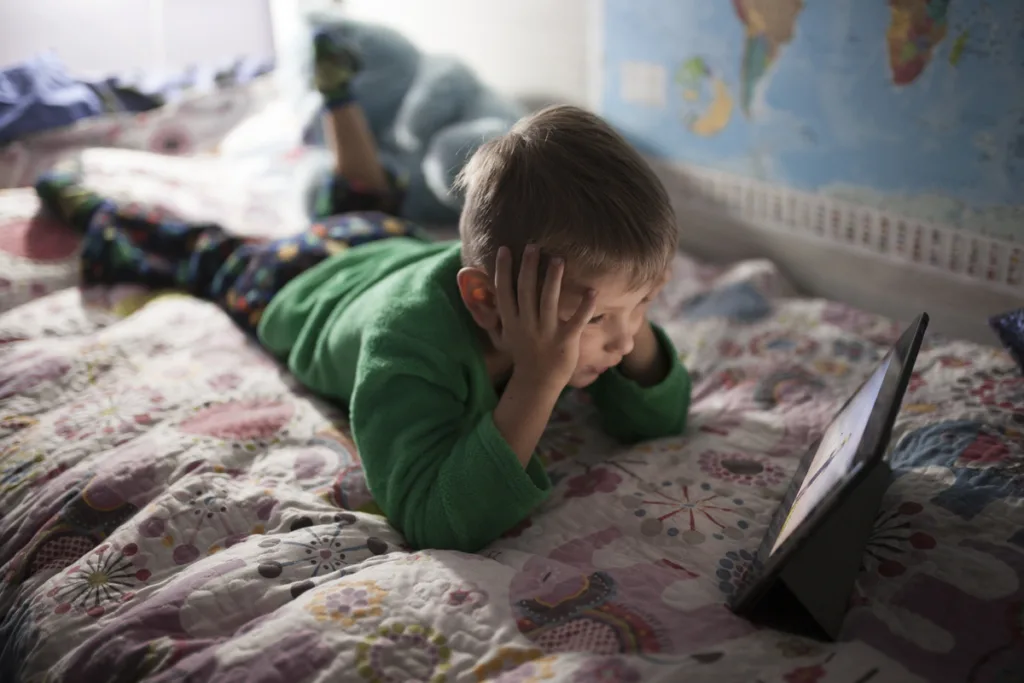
[(436, 465), (631, 413)]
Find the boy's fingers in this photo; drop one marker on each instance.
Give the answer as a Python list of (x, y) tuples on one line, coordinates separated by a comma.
[(585, 311), (528, 284), (503, 284), (550, 293)]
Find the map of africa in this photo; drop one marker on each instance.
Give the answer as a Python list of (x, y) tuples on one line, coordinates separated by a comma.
[(915, 106)]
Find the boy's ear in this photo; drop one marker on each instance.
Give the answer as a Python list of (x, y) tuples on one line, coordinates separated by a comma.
[(477, 292)]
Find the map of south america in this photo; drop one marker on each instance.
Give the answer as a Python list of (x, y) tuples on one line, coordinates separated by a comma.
[(770, 25)]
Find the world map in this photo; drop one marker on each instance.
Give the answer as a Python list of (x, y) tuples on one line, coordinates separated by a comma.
[(912, 106)]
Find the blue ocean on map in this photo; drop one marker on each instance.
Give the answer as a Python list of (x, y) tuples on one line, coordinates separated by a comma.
[(910, 105)]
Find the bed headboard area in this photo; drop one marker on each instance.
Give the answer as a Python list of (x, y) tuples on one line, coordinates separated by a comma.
[(874, 150)]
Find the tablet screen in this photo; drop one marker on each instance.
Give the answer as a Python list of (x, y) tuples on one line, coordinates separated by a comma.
[(835, 455)]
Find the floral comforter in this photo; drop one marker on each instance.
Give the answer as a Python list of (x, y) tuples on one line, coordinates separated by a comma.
[(173, 507)]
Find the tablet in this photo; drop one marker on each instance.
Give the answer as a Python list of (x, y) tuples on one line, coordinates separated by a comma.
[(850, 449)]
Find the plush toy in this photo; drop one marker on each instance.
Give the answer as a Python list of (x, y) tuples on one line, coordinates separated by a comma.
[(429, 113)]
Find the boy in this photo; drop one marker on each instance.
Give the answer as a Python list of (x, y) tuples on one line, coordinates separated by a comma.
[(449, 356)]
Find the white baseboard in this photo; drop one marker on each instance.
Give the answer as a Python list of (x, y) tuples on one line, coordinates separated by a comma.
[(877, 262)]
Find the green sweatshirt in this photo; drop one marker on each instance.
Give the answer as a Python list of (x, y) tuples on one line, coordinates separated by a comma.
[(381, 328)]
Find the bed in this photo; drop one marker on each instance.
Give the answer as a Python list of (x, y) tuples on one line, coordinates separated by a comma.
[(174, 507)]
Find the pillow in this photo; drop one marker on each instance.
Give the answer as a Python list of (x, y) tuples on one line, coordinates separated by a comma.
[(1010, 328), (260, 195)]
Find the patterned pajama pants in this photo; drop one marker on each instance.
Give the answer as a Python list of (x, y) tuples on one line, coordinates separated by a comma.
[(133, 246)]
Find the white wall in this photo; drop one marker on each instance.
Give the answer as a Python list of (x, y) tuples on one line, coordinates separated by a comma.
[(101, 37), (525, 48)]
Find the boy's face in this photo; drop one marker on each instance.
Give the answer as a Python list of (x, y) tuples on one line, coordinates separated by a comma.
[(620, 312)]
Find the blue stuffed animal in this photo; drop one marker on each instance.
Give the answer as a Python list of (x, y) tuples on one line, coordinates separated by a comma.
[(429, 113)]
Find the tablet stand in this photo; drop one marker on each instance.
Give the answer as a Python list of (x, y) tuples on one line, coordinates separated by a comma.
[(811, 592)]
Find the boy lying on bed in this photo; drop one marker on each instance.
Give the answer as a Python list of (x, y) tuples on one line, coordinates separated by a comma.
[(449, 356)]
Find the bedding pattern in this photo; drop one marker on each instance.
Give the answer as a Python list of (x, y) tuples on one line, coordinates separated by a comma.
[(173, 507)]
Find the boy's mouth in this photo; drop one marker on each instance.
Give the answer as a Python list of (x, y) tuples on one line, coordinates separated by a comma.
[(601, 369)]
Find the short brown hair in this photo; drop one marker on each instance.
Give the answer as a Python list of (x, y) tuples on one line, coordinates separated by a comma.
[(564, 180)]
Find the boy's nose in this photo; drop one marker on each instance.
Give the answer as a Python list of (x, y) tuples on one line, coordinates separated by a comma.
[(621, 344)]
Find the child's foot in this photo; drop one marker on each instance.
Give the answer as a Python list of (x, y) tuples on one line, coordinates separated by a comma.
[(64, 198), (334, 66)]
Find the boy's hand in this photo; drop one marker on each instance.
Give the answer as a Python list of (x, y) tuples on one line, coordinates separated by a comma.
[(647, 363), (543, 347)]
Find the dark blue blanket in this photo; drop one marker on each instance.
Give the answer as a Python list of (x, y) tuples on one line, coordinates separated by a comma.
[(39, 94)]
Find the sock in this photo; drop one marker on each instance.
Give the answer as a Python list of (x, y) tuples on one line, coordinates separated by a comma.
[(334, 67), (62, 196)]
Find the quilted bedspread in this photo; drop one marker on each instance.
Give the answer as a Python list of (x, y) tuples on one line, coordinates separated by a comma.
[(173, 507)]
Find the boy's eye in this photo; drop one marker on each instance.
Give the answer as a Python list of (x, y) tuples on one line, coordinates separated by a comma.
[(596, 319)]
